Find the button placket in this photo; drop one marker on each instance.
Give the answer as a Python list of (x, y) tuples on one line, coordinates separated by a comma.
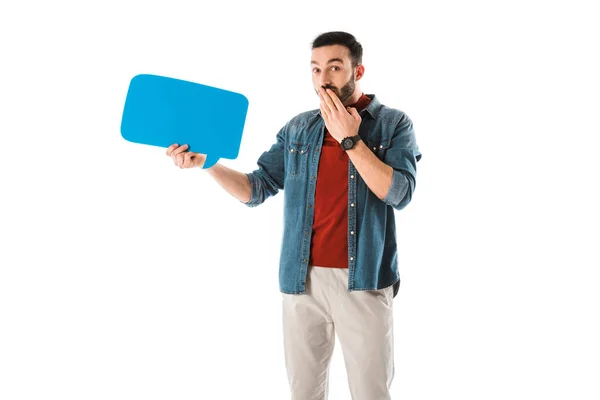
[(352, 225), (310, 199)]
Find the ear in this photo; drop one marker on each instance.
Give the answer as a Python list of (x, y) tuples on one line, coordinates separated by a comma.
[(360, 71)]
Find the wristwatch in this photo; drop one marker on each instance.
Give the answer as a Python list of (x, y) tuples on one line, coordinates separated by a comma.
[(349, 142)]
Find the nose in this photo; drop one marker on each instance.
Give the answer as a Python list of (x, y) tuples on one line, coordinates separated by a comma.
[(324, 79)]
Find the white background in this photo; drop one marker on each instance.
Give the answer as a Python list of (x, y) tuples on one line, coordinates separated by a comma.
[(124, 277)]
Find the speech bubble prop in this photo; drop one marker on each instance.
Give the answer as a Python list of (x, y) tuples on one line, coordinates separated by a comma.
[(160, 111)]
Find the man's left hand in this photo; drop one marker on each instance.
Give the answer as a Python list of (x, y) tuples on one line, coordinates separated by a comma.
[(340, 121)]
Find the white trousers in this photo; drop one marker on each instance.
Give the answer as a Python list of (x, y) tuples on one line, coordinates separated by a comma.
[(363, 321)]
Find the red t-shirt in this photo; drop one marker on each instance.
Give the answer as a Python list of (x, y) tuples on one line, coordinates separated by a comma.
[(329, 244)]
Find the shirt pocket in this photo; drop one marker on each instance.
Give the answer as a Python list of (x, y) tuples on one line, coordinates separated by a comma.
[(379, 147), (297, 158)]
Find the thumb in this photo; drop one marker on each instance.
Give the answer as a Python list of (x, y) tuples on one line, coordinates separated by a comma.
[(353, 112)]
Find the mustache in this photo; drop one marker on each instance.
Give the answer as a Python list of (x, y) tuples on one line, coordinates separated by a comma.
[(329, 87)]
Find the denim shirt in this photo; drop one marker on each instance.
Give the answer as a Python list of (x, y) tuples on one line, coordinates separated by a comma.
[(292, 164)]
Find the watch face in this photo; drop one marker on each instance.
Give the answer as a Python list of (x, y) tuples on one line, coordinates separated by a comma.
[(347, 143)]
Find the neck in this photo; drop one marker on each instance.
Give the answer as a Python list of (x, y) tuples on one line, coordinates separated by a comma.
[(354, 98)]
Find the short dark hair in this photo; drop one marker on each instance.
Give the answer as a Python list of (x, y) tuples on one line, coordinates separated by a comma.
[(341, 38)]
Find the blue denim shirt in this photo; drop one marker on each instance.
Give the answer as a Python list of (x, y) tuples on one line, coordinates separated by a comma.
[(292, 164)]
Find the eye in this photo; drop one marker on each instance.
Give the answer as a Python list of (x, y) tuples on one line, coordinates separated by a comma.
[(335, 68), (315, 70)]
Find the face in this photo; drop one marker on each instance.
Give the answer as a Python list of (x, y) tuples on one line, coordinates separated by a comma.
[(332, 68)]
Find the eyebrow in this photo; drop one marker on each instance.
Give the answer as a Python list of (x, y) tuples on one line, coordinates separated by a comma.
[(330, 61)]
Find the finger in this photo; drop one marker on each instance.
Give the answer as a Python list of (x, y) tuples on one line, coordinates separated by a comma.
[(179, 159), (171, 148), (324, 111), (327, 100), (336, 100), (175, 158), (180, 149), (354, 113), (331, 97)]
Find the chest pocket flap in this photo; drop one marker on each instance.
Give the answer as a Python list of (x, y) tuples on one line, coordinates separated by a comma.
[(378, 147), (297, 158)]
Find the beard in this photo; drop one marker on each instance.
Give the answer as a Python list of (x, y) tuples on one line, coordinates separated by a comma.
[(345, 92)]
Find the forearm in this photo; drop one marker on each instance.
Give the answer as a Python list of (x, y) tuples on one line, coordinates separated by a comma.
[(234, 182), (376, 174)]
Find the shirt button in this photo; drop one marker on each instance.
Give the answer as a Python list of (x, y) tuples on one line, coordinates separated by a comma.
[(310, 206), (312, 177), (351, 176), (351, 258), (306, 234), (292, 150), (352, 232), (381, 147), (374, 148), (304, 260), (352, 205), (318, 149)]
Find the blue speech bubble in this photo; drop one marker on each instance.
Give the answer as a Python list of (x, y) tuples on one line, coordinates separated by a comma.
[(160, 111)]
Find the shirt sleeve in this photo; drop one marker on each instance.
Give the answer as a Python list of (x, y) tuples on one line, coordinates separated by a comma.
[(268, 179), (402, 155)]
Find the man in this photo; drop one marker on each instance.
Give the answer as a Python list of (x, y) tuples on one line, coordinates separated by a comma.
[(345, 168)]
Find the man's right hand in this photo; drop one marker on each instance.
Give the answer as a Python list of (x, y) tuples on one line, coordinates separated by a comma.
[(183, 158)]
